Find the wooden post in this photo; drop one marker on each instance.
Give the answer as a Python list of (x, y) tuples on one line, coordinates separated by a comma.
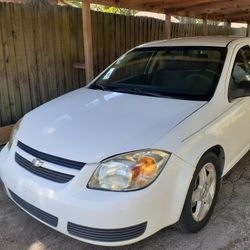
[(168, 26), (248, 29), (88, 41), (228, 23), (205, 26)]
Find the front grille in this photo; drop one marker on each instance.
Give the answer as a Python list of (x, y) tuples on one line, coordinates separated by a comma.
[(43, 172), (107, 235), (50, 158), (38, 213)]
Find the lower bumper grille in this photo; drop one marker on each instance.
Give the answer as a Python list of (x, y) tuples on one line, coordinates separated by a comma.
[(38, 213), (43, 172), (107, 235)]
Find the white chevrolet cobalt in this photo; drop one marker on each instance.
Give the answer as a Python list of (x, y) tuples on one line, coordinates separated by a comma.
[(142, 147)]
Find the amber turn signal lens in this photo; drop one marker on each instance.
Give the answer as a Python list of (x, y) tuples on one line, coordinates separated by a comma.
[(147, 166)]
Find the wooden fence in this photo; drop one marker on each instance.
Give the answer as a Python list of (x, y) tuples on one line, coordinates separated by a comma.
[(40, 45)]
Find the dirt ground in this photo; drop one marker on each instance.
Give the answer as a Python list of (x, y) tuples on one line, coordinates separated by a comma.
[(229, 227)]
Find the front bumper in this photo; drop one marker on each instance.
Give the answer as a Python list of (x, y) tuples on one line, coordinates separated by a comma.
[(99, 217)]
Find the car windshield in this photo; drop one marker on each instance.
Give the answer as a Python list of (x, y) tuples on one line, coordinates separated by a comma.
[(190, 73)]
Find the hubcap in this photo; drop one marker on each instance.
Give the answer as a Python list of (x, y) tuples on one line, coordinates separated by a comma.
[(204, 191)]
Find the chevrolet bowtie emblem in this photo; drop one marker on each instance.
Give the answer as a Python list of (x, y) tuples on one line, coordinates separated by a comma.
[(37, 163)]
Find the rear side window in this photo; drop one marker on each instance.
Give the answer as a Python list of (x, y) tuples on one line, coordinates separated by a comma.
[(241, 70)]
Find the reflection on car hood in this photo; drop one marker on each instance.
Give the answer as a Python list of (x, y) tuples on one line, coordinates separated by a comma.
[(90, 125)]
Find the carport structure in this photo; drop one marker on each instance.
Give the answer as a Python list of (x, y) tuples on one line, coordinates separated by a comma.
[(220, 10)]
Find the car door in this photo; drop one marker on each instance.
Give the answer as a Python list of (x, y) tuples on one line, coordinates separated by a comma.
[(239, 136)]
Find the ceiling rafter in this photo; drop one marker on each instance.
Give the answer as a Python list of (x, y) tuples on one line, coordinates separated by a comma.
[(233, 10), (216, 5), (234, 15), (177, 4), (230, 11)]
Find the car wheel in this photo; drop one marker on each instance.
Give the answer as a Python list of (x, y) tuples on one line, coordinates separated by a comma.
[(202, 194)]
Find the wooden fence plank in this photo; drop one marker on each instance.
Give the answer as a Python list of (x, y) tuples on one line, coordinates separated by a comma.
[(145, 30), (95, 43), (20, 57), (100, 34), (73, 46), (37, 16), (123, 34), (128, 32), (118, 36), (66, 44), (132, 30), (58, 51), (10, 64), (80, 49), (152, 32), (29, 48), (137, 31), (5, 108), (50, 55), (106, 41)]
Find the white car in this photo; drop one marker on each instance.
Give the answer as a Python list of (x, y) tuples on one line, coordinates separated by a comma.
[(142, 147)]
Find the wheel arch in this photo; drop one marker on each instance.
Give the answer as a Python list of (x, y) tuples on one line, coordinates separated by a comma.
[(219, 151)]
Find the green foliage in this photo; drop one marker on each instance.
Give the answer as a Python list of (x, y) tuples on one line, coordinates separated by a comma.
[(101, 8), (74, 3), (113, 10)]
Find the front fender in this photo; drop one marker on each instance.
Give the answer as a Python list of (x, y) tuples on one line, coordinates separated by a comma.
[(193, 149)]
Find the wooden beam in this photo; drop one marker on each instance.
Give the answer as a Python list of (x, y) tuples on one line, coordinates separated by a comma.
[(5, 134), (209, 5), (228, 11), (88, 41), (168, 27), (137, 2), (205, 26), (238, 15), (176, 5), (239, 19)]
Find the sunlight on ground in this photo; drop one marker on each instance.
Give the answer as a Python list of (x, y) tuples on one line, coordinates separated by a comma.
[(37, 246)]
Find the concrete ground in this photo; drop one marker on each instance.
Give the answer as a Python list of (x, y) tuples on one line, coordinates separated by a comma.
[(229, 227)]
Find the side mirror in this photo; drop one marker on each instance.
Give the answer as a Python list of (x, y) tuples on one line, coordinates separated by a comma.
[(242, 89)]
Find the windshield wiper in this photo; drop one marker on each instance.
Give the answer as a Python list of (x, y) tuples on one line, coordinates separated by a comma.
[(146, 93), (99, 86), (136, 91)]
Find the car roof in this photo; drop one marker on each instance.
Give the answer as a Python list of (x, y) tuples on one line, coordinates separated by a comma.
[(218, 41)]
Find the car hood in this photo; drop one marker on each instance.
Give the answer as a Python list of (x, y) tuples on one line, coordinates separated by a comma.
[(90, 125)]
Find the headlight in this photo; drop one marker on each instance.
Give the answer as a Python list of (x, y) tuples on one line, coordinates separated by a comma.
[(13, 133), (130, 171)]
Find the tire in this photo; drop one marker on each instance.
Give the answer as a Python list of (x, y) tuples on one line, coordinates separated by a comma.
[(191, 220)]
